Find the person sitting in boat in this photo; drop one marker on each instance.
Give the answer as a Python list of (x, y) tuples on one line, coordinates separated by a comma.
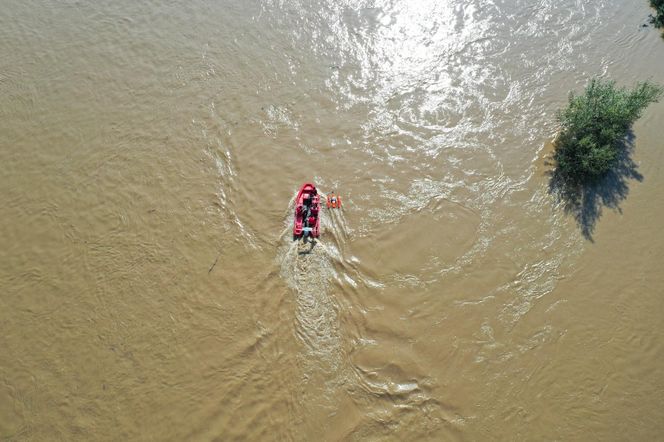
[(311, 221)]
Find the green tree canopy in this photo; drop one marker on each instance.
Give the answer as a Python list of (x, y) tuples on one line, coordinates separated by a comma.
[(658, 18), (594, 127)]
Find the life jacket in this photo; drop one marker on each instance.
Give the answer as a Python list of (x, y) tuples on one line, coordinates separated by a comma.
[(333, 201)]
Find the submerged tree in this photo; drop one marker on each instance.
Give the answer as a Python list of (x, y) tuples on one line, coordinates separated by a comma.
[(658, 18), (594, 127)]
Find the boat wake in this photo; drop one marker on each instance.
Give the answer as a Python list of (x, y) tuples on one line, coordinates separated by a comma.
[(308, 268)]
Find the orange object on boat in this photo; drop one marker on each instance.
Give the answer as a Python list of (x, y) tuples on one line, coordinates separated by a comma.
[(333, 201)]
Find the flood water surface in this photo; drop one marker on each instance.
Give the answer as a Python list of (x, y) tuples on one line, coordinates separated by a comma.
[(151, 289)]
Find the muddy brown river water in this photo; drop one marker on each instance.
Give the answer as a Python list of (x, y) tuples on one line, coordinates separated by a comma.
[(149, 287)]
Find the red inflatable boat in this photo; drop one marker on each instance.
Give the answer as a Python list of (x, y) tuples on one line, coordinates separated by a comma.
[(307, 211)]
